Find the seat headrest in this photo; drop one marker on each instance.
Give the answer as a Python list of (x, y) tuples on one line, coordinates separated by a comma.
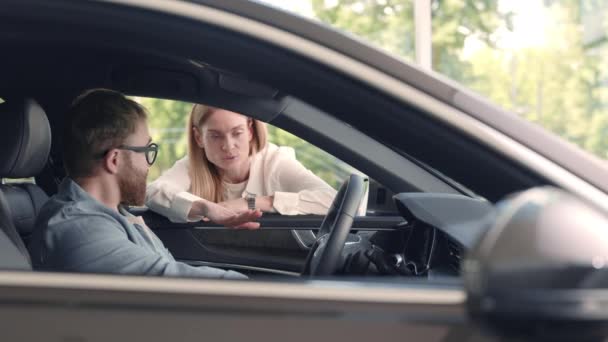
[(25, 138)]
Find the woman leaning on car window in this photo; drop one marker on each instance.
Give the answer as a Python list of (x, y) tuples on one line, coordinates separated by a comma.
[(230, 162)]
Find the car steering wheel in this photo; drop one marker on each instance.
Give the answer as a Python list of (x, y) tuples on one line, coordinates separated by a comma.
[(326, 251)]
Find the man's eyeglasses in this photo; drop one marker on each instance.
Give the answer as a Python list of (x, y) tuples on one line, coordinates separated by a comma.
[(151, 151)]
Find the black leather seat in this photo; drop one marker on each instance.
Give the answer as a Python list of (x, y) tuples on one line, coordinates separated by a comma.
[(25, 142)]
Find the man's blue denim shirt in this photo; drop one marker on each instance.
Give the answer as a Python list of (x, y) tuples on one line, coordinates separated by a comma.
[(76, 233)]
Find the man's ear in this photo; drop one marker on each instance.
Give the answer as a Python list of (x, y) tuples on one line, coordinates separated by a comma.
[(198, 137), (111, 161)]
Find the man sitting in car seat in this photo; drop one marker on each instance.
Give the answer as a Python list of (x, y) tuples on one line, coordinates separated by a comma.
[(107, 152)]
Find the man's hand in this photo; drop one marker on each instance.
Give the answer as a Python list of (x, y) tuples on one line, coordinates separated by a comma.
[(226, 217)]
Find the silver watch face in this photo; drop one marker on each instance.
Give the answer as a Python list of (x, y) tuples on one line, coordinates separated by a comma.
[(250, 201)]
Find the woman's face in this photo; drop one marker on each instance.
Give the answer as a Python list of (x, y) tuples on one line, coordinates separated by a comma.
[(225, 137)]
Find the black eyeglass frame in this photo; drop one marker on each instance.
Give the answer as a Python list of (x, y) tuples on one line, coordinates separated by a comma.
[(151, 147)]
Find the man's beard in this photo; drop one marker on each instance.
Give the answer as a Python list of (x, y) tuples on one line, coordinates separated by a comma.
[(132, 183)]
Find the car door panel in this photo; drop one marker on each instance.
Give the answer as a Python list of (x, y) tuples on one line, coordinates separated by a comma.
[(113, 308), (276, 245)]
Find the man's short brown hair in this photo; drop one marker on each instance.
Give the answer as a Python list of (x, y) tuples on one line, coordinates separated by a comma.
[(97, 121)]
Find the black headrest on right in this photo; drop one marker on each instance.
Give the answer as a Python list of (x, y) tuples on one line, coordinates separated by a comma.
[(25, 138)]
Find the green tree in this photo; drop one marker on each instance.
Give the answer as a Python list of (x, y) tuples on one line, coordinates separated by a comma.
[(559, 85), (389, 24), (167, 123)]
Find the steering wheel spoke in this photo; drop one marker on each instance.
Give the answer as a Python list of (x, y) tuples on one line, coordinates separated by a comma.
[(324, 255)]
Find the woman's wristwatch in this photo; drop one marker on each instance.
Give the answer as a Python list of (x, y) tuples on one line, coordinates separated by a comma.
[(250, 201)]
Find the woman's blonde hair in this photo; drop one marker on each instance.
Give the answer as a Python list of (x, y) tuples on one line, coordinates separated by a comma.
[(205, 179)]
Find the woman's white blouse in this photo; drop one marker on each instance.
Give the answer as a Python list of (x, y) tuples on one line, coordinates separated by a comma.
[(274, 171)]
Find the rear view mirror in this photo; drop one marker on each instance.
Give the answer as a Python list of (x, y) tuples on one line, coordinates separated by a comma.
[(541, 270)]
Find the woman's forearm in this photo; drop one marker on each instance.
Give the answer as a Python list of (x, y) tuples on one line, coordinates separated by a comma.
[(265, 203), (198, 210)]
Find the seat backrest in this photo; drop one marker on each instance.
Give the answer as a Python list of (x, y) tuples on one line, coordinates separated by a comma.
[(25, 142), (13, 254), (24, 201)]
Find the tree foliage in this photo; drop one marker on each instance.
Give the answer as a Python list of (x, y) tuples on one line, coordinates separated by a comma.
[(559, 84), (167, 121), (390, 24)]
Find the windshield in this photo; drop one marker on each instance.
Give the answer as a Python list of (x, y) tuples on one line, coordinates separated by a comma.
[(544, 60)]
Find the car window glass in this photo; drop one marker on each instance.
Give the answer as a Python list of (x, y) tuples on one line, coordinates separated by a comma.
[(18, 180), (167, 121)]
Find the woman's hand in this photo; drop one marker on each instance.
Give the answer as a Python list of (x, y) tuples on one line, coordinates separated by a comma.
[(242, 219), (237, 204), (263, 203)]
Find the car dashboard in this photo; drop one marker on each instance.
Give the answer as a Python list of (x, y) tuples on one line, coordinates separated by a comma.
[(411, 249)]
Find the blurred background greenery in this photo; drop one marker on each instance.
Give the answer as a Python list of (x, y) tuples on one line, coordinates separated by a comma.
[(544, 60)]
